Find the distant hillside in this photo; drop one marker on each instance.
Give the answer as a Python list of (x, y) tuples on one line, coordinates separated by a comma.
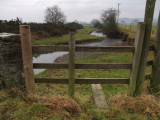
[(134, 20), (122, 21)]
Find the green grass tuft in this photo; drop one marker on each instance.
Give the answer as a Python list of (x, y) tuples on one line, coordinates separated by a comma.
[(37, 108)]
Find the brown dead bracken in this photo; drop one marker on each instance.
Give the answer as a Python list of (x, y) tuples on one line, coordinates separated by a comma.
[(144, 104), (58, 103)]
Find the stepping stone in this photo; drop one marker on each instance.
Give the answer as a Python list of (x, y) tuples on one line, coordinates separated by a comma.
[(99, 97)]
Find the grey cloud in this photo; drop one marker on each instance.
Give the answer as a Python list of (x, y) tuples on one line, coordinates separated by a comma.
[(83, 10)]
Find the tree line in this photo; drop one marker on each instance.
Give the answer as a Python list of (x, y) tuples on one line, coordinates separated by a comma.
[(108, 23), (54, 24), (11, 26)]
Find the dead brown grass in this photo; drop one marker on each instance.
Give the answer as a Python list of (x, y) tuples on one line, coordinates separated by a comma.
[(144, 104), (58, 103)]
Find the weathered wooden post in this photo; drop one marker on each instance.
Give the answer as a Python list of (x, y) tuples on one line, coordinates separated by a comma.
[(71, 65), (137, 56), (27, 57), (150, 5), (155, 80)]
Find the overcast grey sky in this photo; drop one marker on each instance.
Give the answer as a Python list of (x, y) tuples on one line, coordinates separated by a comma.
[(81, 10)]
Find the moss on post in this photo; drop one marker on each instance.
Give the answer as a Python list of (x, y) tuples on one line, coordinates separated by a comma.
[(155, 80), (150, 5)]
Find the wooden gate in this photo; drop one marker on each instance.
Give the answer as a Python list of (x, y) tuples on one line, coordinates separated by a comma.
[(30, 80)]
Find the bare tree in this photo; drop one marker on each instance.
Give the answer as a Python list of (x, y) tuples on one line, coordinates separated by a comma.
[(54, 15), (96, 23), (108, 18)]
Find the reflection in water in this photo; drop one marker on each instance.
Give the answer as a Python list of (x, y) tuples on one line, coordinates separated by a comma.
[(3, 35), (51, 57), (98, 34), (47, 58)]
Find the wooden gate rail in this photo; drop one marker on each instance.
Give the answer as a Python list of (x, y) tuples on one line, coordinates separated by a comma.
[(86, 65), (83, 66), (150, 62), (148, 76), (85, 81), (37, 49), (65, 48), (71, 66)]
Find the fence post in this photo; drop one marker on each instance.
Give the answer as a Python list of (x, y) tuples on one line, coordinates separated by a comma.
[(25, 34), (136, 58), (71, 64), (150, 5), (155, 80)]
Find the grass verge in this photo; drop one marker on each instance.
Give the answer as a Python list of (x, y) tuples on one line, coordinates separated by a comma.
[(14, 105), (81, 35), (131, 31)]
